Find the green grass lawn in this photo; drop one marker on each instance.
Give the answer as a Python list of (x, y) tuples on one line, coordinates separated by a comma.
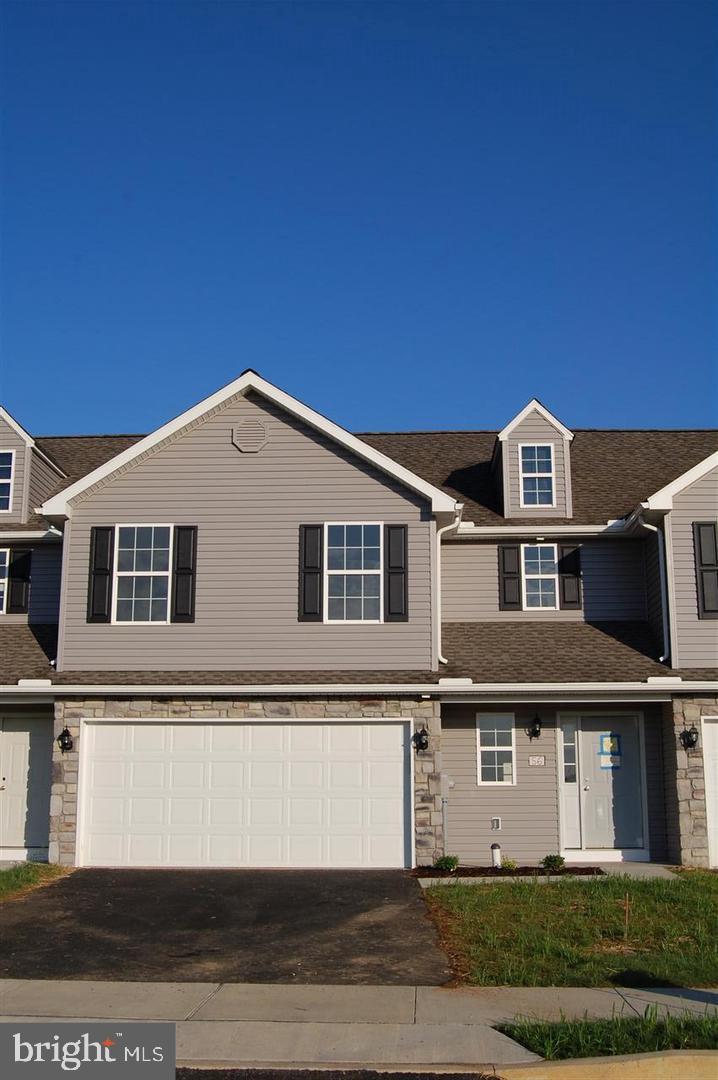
[(572, 933), (623, 1035), (24, 876)]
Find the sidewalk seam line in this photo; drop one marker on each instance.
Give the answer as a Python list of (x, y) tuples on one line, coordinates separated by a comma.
[(630, 1005), (416, 994), (204, 1001)]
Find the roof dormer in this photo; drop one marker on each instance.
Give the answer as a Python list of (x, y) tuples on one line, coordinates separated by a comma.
[(536, 464)]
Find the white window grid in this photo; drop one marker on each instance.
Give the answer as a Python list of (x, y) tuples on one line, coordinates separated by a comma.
[(4, 578), (504, 723), (117, 574), (348, 573), (530, 475), (569, 741), (7, 482), (525, 577)]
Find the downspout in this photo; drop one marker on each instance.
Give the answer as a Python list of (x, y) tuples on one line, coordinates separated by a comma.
[(662, 574), (439, 533)]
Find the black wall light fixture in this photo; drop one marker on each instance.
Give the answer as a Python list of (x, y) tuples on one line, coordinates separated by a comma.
[(420, 740), (689, 738), (533, 730), (64, 741)]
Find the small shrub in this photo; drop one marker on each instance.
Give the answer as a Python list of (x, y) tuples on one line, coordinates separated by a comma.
[(509, 864), (447, 862), (552, 863)]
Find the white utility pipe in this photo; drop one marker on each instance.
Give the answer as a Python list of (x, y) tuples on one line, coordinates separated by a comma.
[(439, 533), (662, 573)]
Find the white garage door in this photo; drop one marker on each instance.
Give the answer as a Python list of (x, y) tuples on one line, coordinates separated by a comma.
[(225, 794)]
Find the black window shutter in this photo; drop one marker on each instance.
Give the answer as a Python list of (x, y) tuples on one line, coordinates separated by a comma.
[(311, 545), (396, 586), (510, 577), (184, 573), (569, 576), (705, 542), (18, 585), (99, 591)]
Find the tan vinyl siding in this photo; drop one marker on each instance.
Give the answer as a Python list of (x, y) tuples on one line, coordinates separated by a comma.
[(248, 508), (613, 583), (529, 810), (10, 440), (654, 607), (697, 639), (534, 428), (43, 480)]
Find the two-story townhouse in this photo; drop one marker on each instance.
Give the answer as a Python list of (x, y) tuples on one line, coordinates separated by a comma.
[(252, 638)]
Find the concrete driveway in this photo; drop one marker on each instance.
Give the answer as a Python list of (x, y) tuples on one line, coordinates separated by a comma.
[(272, 926)]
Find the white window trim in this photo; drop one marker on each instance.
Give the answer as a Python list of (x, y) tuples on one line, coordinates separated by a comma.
[(553, 577), (117, 574), (333, 573), (3, 604), (12, 478), (479, 748), (530, 475)]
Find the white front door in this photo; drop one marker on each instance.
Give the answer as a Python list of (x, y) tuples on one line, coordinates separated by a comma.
[(25, 768), (331, 794), (602, 798), (710, 766)]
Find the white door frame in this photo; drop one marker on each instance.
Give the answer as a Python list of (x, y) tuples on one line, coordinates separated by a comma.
[(711, 810), (406, 722), (592, 855)]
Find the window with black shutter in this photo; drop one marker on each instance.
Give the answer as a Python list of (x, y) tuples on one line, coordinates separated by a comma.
[(705, 544)]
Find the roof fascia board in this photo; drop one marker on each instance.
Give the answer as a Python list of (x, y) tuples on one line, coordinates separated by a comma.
[(534, 405), (57, 506), (663, 499), (667, 687), (52, 535), (28, 440)]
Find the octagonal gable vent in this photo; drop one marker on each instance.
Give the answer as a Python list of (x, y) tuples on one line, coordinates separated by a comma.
[(249, 436)]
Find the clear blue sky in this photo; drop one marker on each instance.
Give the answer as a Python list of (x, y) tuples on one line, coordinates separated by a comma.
[(409, 215)]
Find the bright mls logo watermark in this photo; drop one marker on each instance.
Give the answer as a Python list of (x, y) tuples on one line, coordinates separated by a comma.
[(104, 1051)]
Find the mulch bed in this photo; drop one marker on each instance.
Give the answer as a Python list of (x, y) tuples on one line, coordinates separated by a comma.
[(520, 871)]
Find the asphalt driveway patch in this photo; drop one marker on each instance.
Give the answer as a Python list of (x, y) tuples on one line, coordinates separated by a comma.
[(269, 926)]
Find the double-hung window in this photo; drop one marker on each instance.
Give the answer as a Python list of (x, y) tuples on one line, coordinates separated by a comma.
[(353, 572), (4, 565), (540, 576), (537, 474), (7, 464), (495, 748), (142, 577)]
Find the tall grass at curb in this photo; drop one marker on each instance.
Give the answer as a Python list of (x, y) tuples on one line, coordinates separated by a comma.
[(621, 1035), (17, 879), (603, 932)]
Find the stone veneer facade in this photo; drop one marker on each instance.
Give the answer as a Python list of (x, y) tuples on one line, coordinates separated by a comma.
[(70, 711), (685, 782)]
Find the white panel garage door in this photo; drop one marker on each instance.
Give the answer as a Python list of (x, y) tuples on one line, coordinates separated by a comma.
[(225, 794)]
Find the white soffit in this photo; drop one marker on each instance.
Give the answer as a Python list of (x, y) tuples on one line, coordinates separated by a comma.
[(535, 406), (57, 506)]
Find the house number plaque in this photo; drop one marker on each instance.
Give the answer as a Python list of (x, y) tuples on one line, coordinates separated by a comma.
[(537, 759)]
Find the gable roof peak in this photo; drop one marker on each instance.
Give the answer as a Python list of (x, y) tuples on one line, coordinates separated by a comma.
[(535, 405)]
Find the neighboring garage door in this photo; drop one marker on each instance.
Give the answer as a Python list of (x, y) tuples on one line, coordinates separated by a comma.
[(231, 794)]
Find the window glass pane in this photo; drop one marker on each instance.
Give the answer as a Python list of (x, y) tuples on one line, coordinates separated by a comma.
[(353, 535), (543, 459), (142, 586), (371, 585), (371, 536), (126, 537), (354, 585), (124, 587), (569, 774), (371, 609), (160, 559), (144, 537), (158, 611), (569, 755), (530, 491), (161, 537), (5, 460), (336, 558), (125, 559), (143, 559), (4, 496), (159, 587), (371, 558), (503, 738), (141, 611), (336, 585), (548, 592), (336, 609), (354, 609), (124, 610), (488, 773), (354, 558), (336, 536), (528, 458)]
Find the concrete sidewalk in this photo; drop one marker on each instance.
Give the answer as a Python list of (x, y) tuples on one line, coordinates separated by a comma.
[(253, 1024)]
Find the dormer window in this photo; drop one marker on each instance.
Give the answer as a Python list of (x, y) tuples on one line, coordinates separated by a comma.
[(537, 474), (7, 460)]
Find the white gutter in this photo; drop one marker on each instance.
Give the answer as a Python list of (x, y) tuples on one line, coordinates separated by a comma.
[(662, 574), (611, 528), (455, 524), (465, 688), (32, 534)]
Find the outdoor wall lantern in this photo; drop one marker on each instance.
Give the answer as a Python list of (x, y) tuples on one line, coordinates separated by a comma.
[(64, 741), (689, 738), (533, 730), (420, 740)]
